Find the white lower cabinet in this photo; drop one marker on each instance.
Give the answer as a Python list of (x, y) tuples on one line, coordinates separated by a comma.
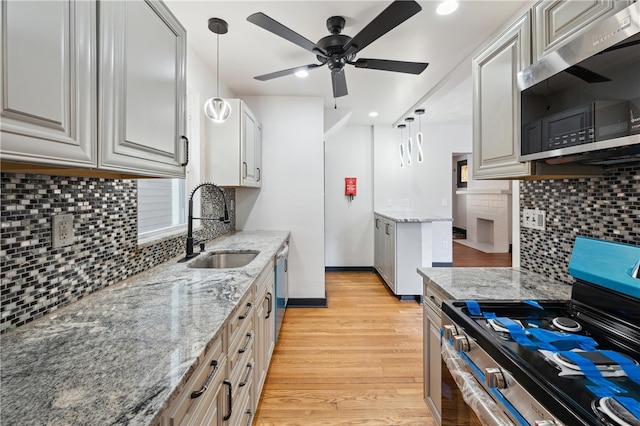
[(226, 387), (398, 252), (431, 352)]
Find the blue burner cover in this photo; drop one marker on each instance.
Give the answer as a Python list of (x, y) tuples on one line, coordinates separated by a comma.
[(606, 264)]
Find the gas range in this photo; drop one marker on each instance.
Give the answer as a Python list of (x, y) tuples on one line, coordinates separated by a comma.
[(558, 362)]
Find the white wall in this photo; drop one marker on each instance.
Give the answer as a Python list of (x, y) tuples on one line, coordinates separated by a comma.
[(349, 224), (292, 192)]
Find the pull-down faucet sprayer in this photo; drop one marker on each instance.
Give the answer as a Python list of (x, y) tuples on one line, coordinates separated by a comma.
[(225, 219)]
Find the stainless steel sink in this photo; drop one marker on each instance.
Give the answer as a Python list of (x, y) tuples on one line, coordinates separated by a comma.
[(224, 259)]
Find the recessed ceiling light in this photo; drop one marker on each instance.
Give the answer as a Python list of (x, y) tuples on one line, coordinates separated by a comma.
[(302, 73), (447, 7), (373, 114)]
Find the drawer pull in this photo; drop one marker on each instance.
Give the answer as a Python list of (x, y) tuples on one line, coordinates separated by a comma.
[(186, 151), (246, 314), (246, 379), (250, 418), (269, 297), (246, 346), (196, 394), (229, 401)]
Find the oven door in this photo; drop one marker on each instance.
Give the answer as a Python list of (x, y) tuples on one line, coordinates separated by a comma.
[(464, 401)]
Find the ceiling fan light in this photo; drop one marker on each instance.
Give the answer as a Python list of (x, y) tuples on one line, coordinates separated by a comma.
[(217, 110), (302, 73), (447, 7), (373, 114)]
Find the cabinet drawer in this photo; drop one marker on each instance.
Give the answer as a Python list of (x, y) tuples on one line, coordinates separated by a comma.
[(241, 315), (242, 412), (202, 388)]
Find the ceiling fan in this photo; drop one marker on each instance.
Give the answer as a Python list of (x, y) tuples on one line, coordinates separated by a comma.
[(337, 50)]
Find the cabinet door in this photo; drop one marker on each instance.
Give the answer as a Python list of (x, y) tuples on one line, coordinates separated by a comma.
[(377, 242), (250, 135), (496, 104), (390, 254), (142, 89), (557, 22), (435, 370), (48, 82)]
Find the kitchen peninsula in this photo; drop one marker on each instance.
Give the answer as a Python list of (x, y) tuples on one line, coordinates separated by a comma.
[(406, 240), (124, 353)]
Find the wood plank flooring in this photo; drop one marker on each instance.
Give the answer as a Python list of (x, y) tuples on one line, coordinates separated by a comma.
[(357, 362)]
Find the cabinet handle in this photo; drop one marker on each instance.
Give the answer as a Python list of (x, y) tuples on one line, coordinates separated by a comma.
[(286, 265), (246, 345), (250, 418), (246, 378), (186, 150), (269, 297), (377, 223), (196, 394), (386, 229), (246, 314), (229, 401), (244, 169), (259, 173)]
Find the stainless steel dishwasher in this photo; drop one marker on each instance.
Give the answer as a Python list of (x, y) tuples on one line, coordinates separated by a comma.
[(282, 291)]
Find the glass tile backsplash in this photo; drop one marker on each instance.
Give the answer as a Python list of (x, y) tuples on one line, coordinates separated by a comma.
[(37, 279)]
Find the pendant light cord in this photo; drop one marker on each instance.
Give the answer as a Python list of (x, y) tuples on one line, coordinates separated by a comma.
[(218, 66)]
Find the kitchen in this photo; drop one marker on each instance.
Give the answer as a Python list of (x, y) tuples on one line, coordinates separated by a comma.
[(114, 255)]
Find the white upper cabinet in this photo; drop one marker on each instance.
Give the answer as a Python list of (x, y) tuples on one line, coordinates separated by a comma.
[(496, 103), (142, 89), (234, 148), (557, 22), (119, 113), (48, 82)]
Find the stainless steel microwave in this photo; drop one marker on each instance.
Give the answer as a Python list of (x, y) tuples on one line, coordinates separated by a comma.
[(582, 101)]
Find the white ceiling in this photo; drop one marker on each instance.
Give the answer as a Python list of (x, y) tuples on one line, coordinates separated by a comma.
[(444, 41)]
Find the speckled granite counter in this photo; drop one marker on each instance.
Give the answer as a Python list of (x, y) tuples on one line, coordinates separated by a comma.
[(494, 283), (412, 216), (118, 355)]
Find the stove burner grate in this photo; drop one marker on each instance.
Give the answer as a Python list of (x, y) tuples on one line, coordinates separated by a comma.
[(616, 412), (566, 324), (498, 326)]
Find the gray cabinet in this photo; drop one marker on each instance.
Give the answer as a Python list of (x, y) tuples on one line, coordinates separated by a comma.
[(556, 22), (432, 364), (234, 148), (48, 82), (93, 85), (496, 104), (142, 89)]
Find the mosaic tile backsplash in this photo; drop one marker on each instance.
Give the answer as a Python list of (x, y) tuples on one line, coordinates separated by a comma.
[(605, 207), (36, 279)]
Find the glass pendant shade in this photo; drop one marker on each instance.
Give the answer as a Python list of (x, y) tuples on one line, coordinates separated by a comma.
[(420, 156), (217, 109), (401, 146), (409, 150)]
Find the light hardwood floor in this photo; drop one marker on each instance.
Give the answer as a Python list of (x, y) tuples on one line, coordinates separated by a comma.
[(357, 362)]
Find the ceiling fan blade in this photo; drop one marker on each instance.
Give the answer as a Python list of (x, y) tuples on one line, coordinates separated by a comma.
[(275, 27), (586, 75), (339, 83), (282, 73), (395, 14), (386, 65)]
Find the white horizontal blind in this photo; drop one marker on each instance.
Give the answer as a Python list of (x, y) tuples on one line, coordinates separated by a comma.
[(161, 204)]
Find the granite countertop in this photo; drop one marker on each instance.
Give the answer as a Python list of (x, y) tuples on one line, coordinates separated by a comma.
[(118, 355), (412, 216), (495, 283)]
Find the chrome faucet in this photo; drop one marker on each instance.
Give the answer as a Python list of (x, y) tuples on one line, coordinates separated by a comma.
[(225, 219)]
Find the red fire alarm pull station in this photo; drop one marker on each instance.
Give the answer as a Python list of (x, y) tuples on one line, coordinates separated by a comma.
[(350, 187)]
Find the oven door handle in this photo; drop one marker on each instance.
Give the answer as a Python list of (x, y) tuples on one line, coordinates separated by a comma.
[(472, 392)]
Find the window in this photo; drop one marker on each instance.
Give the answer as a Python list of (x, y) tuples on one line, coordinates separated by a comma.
[(161, 204), (462, 174)]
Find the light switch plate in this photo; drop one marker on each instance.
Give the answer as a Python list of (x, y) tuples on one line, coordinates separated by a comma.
[(534, 219), (61, 230)]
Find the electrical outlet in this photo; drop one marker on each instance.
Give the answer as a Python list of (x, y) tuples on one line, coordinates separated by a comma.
[(406, 202), (445, 244), (445, 202), (389, 202), (61, 230), (534, 219)]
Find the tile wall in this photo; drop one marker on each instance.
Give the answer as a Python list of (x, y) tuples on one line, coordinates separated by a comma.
[(606, 207), (36, 279)]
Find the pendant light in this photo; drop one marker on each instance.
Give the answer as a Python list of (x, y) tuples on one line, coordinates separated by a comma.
[(401, 147), (217, 109), (419, 136), (409, 120)]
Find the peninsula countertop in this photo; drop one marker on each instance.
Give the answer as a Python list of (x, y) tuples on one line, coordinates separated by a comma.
[(411, 216), (119, 355), (494, 283)]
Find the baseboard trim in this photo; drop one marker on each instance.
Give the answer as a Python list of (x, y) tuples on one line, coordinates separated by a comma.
[(348, 269), (308, 302), (441, 264)]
